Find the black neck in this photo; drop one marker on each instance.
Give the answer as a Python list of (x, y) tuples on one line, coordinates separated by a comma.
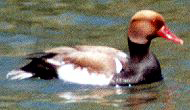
[(138, 51), (143, 67)]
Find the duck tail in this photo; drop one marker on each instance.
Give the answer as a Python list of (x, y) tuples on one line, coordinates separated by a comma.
[(18, 74)]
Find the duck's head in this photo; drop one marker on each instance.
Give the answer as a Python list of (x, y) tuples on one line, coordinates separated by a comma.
[(146, 25)]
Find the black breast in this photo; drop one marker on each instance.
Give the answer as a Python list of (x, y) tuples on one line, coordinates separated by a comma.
[(143, 67)]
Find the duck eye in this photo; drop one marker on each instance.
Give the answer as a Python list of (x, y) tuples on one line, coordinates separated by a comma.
[(157, 23)]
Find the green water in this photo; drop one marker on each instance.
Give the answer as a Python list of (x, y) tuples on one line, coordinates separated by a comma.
[(28, 26)]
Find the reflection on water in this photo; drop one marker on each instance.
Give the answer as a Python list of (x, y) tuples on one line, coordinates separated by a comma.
[(125, 97), (32, 26)]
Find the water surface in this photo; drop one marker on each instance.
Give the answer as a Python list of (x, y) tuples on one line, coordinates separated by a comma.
[(33, 26)]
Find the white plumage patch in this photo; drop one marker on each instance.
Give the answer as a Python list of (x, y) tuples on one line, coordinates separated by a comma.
[(118, 65), (18, 75), (122, 54), (80, 75), (55, 62)]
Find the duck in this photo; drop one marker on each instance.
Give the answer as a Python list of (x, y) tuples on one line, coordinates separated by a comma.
[(102, 65)]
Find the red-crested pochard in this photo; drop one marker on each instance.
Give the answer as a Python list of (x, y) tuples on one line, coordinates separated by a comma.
[(100, 65)]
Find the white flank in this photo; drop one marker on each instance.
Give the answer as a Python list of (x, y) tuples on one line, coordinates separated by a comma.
[(18, 75), (118, 65), (79, 75)]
